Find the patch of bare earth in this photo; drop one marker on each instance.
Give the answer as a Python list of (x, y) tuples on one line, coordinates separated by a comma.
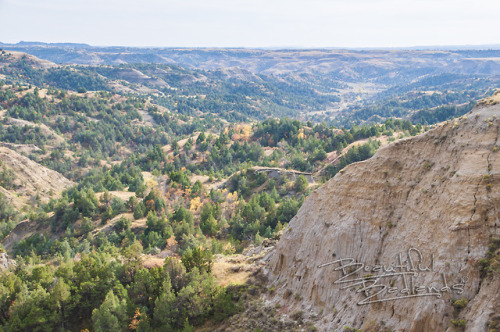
[(124, 195), (31, 179)]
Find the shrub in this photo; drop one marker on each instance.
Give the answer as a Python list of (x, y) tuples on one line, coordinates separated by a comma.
[(459, 322), (301, 183), (287, 294), (460, 304)]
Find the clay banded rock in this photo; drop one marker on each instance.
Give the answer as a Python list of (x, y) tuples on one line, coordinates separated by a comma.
[(30, 179), (434, 198)]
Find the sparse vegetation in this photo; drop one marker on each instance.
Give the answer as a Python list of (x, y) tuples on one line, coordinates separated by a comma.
[(460, 304), (459, 322), (490, 264)]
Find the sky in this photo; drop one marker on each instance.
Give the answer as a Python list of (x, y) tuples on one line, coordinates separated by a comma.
[(253, 23)]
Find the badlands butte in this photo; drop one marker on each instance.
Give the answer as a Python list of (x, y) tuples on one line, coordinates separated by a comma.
[(413, 229)]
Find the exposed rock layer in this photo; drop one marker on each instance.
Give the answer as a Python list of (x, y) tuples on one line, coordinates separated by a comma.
[(31, 179), (437, 193)]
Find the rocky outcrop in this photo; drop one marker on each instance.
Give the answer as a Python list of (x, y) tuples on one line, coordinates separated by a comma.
[(6, 262), (30, 179), (395, 242)]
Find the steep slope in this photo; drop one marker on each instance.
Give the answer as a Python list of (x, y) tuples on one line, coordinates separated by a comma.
[(392, 242), (30, 179)]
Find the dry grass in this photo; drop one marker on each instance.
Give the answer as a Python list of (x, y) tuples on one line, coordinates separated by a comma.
[(168, 149), (493, 100), (33, 60), (233, 269), (124, 195), (109, 225), (149, 180), (268, 151), (139, 223), (204, 181), (152, 261)]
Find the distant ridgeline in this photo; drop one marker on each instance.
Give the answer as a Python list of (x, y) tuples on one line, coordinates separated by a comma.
[(341, 87)]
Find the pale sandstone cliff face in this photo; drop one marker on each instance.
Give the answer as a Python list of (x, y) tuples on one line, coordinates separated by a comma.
[(31, 179), (438, 193)]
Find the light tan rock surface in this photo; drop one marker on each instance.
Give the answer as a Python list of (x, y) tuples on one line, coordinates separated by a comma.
[(31, 179), (6, 262), (437, 193)]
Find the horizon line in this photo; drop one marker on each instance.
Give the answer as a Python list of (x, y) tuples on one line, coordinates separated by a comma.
[(290, 47)]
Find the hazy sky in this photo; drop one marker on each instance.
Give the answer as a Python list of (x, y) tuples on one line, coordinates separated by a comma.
[(252, 23)]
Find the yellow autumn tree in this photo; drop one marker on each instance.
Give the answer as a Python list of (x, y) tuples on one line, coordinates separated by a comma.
[(301, 134), (232, 197), (195, 204)]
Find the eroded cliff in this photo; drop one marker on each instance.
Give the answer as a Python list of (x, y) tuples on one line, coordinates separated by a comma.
[(417, 219)]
